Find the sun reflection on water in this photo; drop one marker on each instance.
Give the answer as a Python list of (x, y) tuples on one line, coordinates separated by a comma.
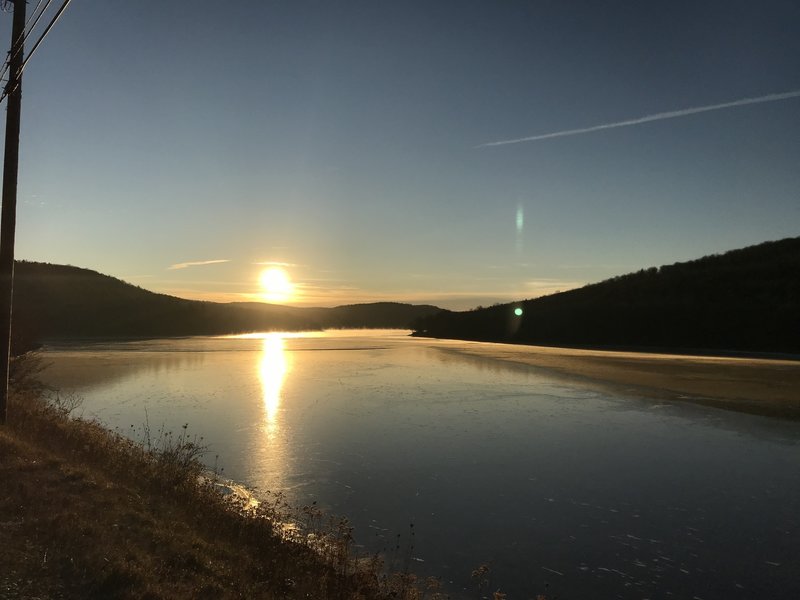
[(272, 369)]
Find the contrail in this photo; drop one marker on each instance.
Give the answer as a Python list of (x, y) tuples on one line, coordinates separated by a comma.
[(672, 114), (196, 263)]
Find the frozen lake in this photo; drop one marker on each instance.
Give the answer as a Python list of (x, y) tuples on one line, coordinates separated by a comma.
[(561, 487)]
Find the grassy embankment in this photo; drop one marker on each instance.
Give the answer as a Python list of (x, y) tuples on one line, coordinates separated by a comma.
[(85, 513)]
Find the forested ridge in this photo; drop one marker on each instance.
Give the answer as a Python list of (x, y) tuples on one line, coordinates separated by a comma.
[(58, 301), (742, 300)]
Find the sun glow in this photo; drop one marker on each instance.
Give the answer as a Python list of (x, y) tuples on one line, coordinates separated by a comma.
[(275, 285)]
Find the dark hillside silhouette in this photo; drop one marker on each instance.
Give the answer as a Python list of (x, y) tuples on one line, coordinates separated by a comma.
[(57, 301), (354, 316), (743, 300)]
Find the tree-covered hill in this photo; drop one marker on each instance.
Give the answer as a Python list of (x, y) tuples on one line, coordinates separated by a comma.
[(743, 300), (58, 301)]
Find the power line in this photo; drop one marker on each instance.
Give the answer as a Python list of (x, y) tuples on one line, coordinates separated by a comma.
[(46, 31), (18, 44), (36, 45), (33, 14), (35, 18)]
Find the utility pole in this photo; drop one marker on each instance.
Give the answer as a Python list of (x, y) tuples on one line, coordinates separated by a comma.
[(8, 214)]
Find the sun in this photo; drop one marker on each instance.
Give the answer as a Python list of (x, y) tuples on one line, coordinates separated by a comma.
[(275, 285)]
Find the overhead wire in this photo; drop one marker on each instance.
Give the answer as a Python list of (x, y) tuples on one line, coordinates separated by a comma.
[(19, 43), (46, 31), (35, 17), (38, 42), (33, 14)]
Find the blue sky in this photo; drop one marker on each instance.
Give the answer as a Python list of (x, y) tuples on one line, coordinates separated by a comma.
[(345, 140)]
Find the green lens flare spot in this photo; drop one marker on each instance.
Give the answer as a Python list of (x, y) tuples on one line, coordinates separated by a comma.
[(518, 312)]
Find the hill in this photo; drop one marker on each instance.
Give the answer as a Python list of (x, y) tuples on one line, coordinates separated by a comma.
[(744, 300), (58, 301)]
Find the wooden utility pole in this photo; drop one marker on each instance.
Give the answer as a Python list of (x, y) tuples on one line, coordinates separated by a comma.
[(8, 215)]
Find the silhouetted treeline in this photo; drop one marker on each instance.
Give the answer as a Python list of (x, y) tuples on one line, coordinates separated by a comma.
[(57, 301), (743, 300)]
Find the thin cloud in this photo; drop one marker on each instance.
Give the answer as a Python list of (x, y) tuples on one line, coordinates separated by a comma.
[(274, 263), (199, 283), (672, 114), (196, 263)]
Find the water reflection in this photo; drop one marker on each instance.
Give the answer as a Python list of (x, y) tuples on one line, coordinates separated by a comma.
[(273, 365), (625, 497), (80, 370)]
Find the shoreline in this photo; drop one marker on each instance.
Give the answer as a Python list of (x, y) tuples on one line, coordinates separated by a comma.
[(761, 386), (91, 514)]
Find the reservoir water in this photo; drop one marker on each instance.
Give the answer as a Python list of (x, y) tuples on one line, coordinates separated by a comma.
[(564, 488)]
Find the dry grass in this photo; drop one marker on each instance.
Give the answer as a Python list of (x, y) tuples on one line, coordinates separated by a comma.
[(85, 513)]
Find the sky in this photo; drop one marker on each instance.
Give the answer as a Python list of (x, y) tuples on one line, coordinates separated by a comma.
[(454, 153)]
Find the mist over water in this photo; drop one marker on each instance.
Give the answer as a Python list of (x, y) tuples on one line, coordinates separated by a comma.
[(562, 488)]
